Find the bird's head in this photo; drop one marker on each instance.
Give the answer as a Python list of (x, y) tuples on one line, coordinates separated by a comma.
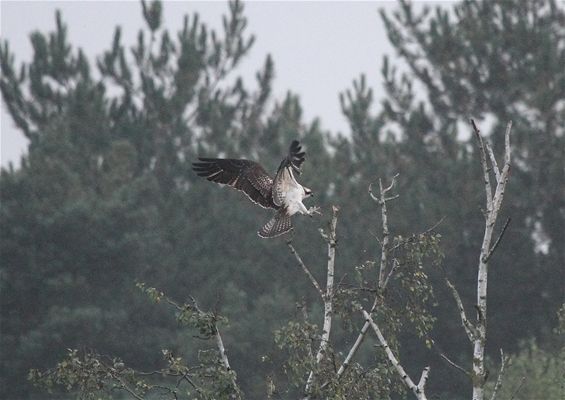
[(307, 192)]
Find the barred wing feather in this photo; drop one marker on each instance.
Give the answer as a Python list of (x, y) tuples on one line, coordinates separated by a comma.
[(284, 179), (244, 175)]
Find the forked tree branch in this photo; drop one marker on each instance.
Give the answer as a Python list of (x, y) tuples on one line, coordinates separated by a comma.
[(493, 204), (383, 280), (495, 245), (382, 200), (419, 389)]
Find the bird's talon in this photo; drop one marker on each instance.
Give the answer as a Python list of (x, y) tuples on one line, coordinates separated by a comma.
[(314, 210)]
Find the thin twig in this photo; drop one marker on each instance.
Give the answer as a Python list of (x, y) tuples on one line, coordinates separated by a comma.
[(454, 364), (395, 266), (447, 359), (507, 149), (518, 388), (433, 227), (128, 389), (305, 269), (470, 329), (392, 183), (503, 362)]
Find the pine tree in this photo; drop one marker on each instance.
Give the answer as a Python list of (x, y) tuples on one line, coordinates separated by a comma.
[(106, 197)]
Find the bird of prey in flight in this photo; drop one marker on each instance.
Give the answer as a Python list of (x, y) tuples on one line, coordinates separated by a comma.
[(283, 194)]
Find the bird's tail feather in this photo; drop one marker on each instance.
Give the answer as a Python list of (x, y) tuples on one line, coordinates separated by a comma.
[(278, 225)]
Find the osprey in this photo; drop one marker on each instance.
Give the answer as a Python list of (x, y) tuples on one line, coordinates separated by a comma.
[(283, 194)]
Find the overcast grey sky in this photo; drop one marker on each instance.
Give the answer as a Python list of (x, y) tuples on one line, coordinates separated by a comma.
[(318, 47)]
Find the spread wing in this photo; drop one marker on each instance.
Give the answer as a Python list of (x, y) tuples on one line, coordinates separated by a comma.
[(244, 175), (284, 179)]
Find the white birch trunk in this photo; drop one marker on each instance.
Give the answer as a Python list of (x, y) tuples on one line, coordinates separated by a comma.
[(493, 203), (327, 297)]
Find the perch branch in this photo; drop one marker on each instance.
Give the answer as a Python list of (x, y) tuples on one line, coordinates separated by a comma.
[(327, 297)]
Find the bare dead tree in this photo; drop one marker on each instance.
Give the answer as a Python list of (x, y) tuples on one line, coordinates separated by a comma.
[(384, 274), (327, 295), (477, 331), (383, 279)]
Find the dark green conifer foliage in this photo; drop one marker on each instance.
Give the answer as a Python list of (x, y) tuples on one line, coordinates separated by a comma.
[(105, 196)]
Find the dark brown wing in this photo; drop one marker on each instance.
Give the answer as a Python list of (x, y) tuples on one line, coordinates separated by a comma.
[(244, 175)]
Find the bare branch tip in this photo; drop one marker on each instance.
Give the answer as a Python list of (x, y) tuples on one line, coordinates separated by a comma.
[(475, 128), (392, 183)]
